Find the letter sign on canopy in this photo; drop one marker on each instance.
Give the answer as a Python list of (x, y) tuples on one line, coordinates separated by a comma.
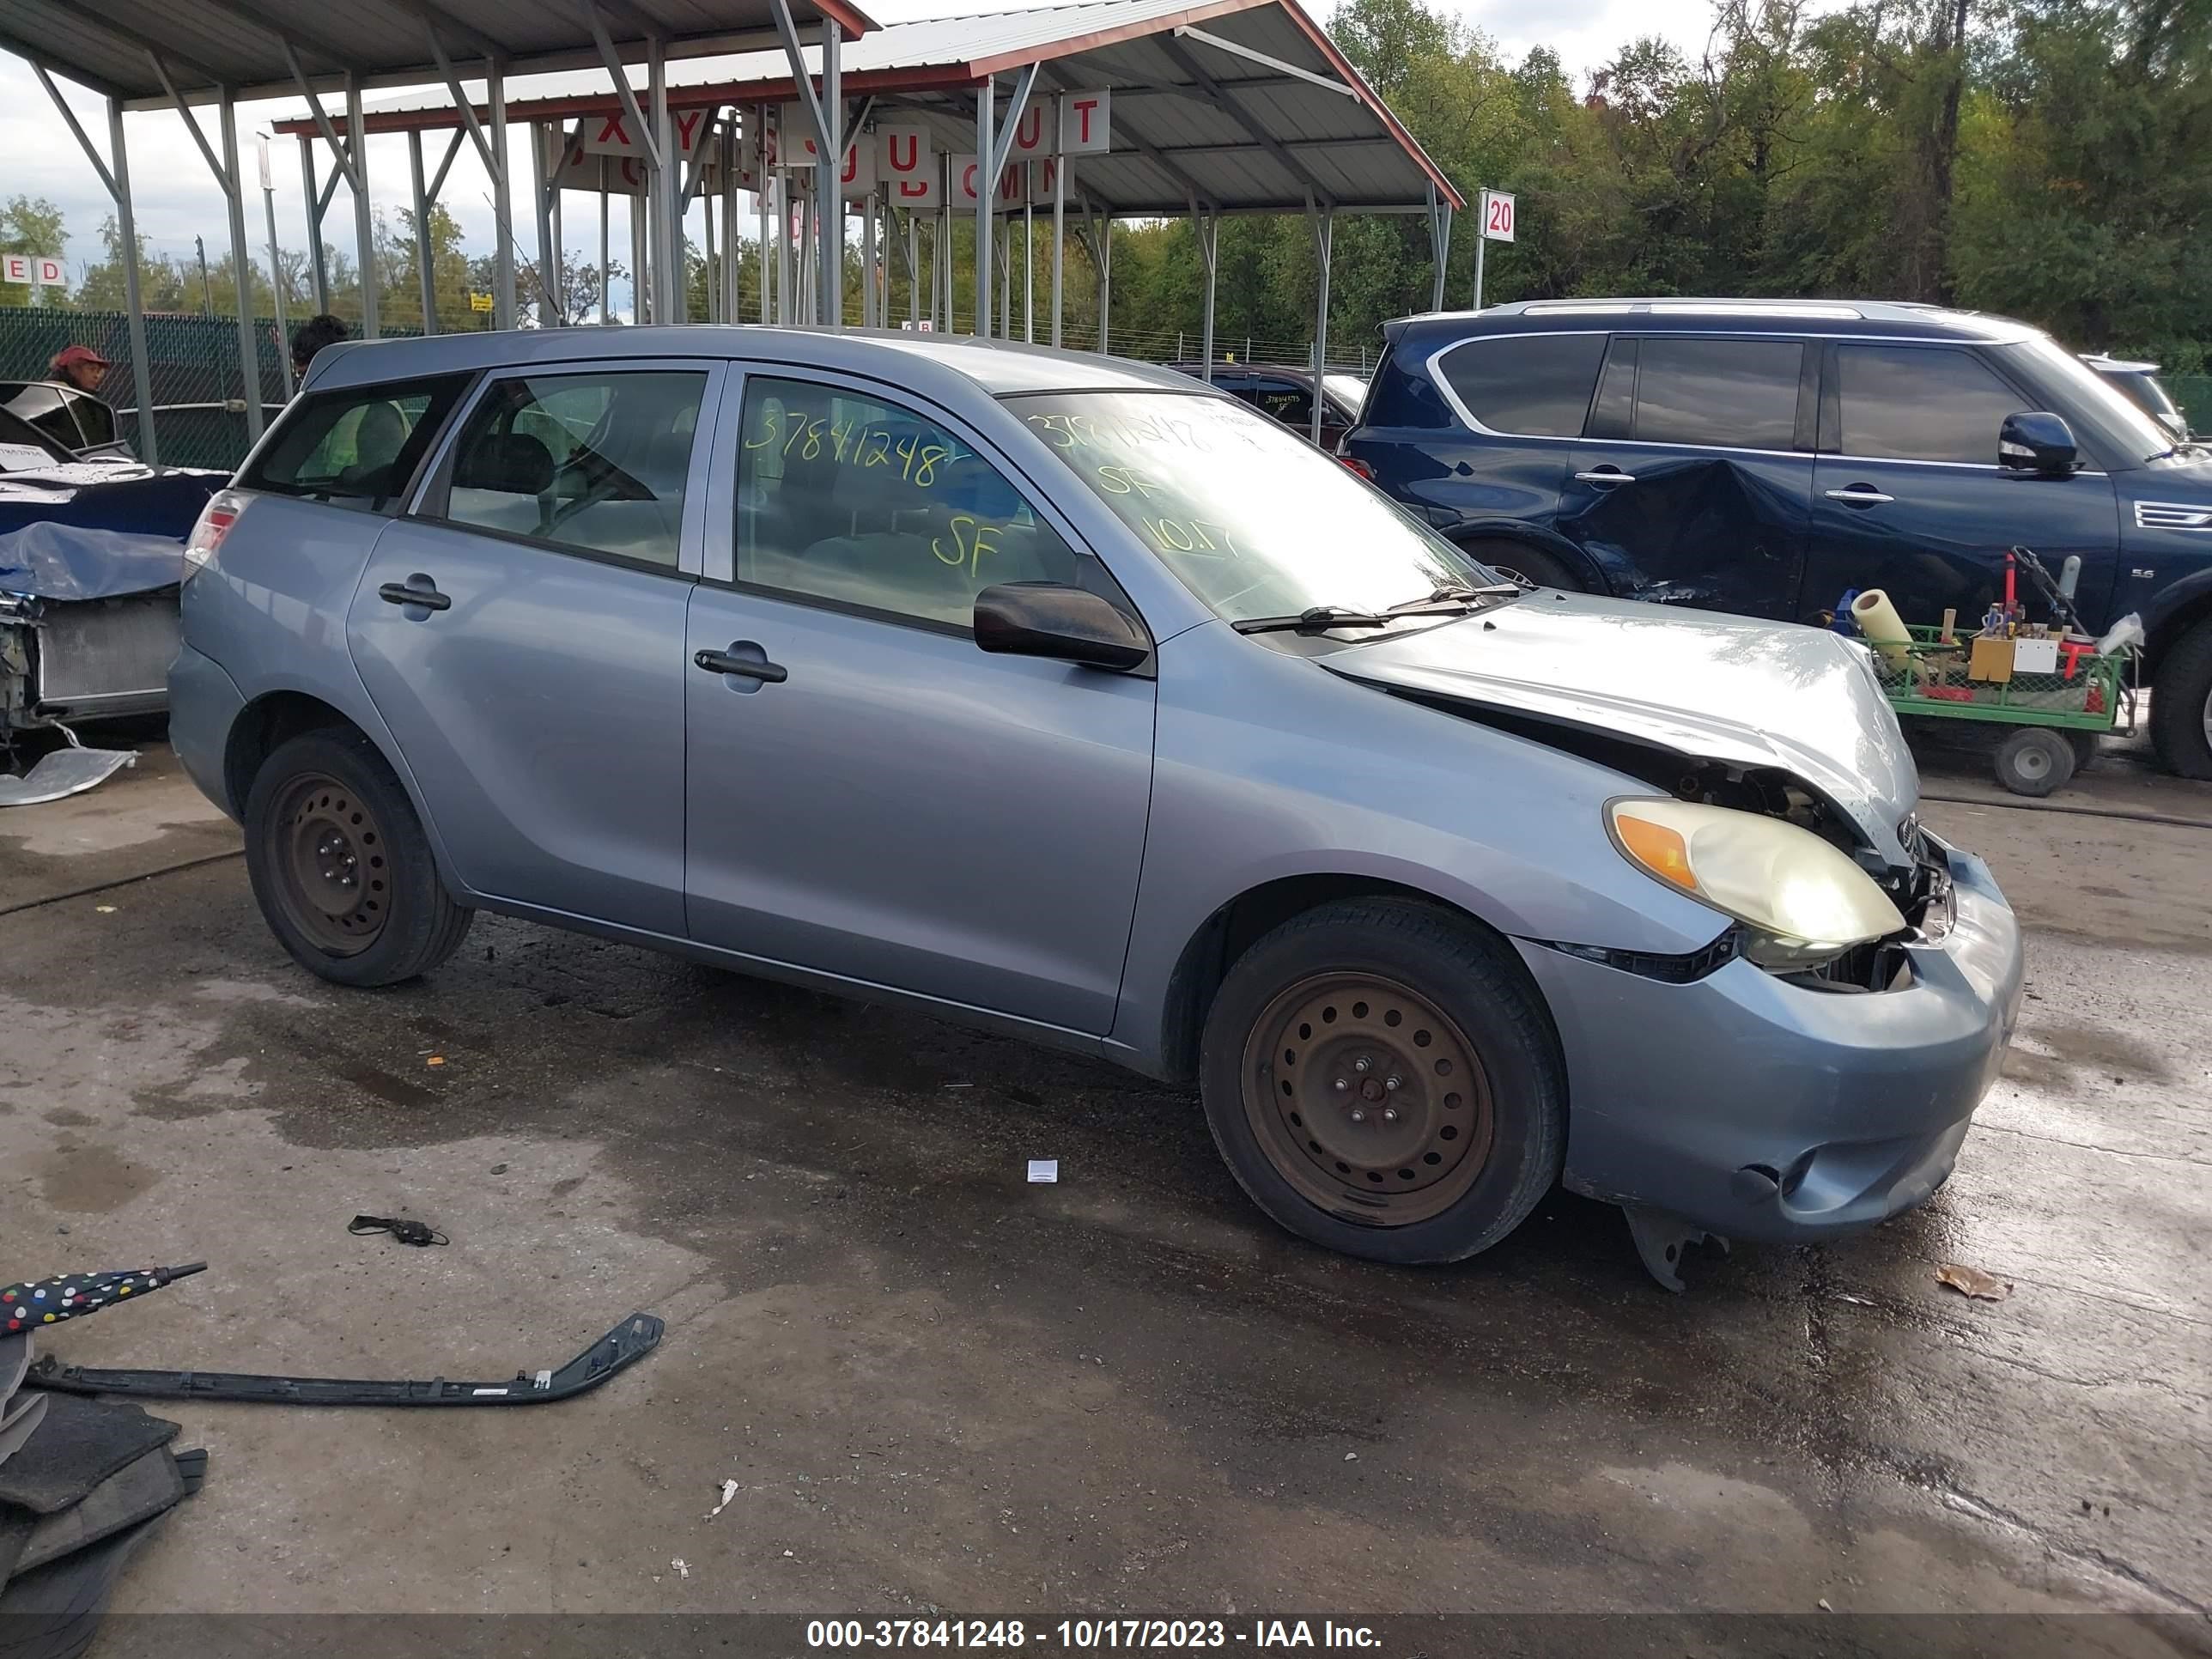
[(1034, 131), (905, 162), (1085, 123), (609, 133), (963, 170)]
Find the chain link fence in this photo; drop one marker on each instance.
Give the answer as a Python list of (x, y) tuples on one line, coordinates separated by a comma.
[(2194, 393)]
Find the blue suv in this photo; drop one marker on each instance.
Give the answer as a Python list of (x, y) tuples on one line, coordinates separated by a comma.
[(1767, 457)]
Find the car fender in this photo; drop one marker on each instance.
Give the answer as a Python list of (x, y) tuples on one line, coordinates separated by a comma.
[(1606, 576)]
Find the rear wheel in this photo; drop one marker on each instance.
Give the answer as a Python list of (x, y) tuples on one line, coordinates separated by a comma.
[(340, 866), (1530, 566), (1382, 1079), (2181, 704)]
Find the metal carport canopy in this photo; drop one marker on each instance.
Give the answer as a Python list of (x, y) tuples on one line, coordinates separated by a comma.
[(1232, 107), (110, 45)]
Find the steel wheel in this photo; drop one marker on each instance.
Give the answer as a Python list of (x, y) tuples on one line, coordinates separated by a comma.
[(326, 851), (1368, 1099)]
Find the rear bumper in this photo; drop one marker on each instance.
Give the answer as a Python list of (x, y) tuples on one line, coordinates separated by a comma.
[(204, 704), (1760, 1110)]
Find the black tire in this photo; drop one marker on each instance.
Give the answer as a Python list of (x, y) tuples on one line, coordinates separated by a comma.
[(2034, 761), (328, 797), (1530, 565), (1399, 967), (2085, 750), (2181, 705)]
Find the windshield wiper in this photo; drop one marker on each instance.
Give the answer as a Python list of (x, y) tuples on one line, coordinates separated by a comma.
[(1460, 590), (1321, 618)]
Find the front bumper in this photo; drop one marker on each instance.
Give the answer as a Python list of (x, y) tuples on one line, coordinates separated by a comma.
[(1757, 1109)]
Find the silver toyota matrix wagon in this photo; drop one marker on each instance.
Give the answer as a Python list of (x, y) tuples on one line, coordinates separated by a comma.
[(1071, 698)]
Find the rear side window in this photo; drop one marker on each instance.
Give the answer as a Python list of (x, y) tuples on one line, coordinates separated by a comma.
[(1738, 394), (1918, 403), (1532, 386), (1287, 401), (597, 463), (359, 446)]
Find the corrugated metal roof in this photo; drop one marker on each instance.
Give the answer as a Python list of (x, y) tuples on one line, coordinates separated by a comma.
[(1257, 140), (105, 44)]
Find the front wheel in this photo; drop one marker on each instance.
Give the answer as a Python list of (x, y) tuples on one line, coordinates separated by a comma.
[(1382, 1079), (340, 866), (1531, 567), (2181, 705)]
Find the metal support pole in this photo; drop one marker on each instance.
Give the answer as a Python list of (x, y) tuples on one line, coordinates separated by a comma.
[(869, 317), (1029, 257), (606, 211), (732, 240), (1481, 241), (1006, 278), (317, 267), (364, 230), (985, 186), (503, 198), (553, 194), (829, 213), (1059, 232), (426, 278), (241, 267), (913, 266), (1440, 219), (141, 380), (276, 267), (666, 179), (640, 290), (547, 305), (940, 260), (1324, 236), (1209, 246), (1105, 280)]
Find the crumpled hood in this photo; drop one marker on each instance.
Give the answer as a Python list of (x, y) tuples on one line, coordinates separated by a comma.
[(1708, 686)]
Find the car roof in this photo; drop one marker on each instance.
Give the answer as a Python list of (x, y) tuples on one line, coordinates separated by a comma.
[(931, 364), (1886, 318)]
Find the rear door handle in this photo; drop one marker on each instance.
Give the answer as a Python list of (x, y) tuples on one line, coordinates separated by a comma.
[(1605, 475), (406, 592), (1861, 496), (750, 668)]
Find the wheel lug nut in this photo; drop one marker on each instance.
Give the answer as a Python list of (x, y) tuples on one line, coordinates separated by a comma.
[(1358, 1117), (1360, 1064), (1341, 1086), (1391, 1083), (1389, 1115)]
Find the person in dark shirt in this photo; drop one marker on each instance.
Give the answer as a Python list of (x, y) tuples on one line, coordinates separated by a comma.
[(311, 337), (81, 369)]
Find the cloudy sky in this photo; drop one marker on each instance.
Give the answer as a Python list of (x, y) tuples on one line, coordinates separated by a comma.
[(177, 199)]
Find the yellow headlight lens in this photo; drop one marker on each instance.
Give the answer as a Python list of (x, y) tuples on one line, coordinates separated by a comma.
[(1782, 880)]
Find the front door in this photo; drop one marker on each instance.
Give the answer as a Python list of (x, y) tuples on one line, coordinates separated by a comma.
[(1908, 496), (536, 687), (869, 795), (1694, 483)]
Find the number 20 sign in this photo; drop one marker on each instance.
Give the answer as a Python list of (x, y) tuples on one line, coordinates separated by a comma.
[(1498, 216)]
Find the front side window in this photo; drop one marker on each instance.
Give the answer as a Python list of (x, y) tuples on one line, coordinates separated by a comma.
[(1253, 519), (847, 498), (1530, 385), (1919, 404), (1738, 394), (358, 446), (596, 463)]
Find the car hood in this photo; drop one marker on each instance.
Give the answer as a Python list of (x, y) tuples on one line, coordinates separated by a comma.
[(1707, 686)]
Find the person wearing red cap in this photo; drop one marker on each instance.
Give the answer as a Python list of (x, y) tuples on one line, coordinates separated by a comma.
[(81, 367)]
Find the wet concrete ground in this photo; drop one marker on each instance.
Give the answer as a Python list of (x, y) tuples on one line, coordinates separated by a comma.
[(939, 1386)]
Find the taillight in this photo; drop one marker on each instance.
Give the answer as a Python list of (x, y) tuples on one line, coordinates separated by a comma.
[(1353, 462), (213, 525)]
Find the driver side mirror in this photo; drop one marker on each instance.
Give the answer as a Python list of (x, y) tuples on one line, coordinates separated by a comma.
[(2038, 442), (1062, 623)]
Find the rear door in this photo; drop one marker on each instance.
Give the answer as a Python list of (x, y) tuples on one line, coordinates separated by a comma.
[(1909, 498), (535, 686), (1520, 400), (1694, 484)]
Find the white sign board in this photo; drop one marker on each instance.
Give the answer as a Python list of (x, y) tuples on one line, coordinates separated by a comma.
[(858, 181), (905, 162), (1085, 123), (1035, 132), (43, 269), (961, 171), (1497, 215), (610, 133)]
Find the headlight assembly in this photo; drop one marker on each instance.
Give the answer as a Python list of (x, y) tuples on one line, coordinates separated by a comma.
[(1802, 902)]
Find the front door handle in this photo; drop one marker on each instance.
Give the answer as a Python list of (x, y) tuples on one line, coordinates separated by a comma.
[(1605, 475), (407, 592), (750, 668), (1861, 494)]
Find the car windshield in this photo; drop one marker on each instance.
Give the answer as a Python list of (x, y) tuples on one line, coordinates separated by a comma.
[(1347, 389), (1253, 519), (2120, 416)]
